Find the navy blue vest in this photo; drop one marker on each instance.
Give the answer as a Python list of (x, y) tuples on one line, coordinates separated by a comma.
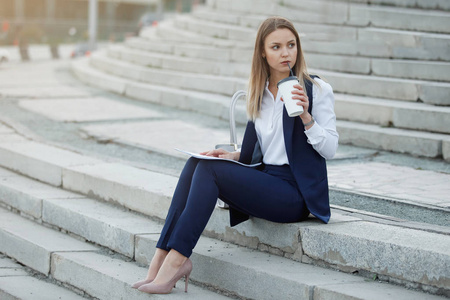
[(308, 166)]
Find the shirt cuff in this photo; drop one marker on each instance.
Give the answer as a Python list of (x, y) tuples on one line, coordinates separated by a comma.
[(314, 134)]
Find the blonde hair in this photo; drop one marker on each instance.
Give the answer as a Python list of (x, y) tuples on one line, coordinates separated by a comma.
[(260, 70)]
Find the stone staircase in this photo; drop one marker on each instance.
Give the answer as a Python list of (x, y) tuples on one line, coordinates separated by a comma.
[(78, 224), (84, 222), (388, 63)]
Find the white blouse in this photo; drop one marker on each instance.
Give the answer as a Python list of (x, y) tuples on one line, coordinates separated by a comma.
[(322, 135)]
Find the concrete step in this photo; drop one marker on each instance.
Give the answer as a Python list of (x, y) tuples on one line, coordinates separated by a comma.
[(437, 5), (390, 113), (249, 6), (394, 44), (167, 29), (90, 271), (337, 13), (348, 13), (98, 222), (386, 113), (394, 139), (207, 103), (152, 191), (17, 284), (409, 44), (372, 49), (399, 43), (178, 62), (436, 93), (190, 81), (77, 263), (372, 86), (36, 243), (182, 49), (214, 29), (398, 39), (408, 69)]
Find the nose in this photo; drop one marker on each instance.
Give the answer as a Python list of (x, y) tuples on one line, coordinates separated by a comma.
[(285, 52)]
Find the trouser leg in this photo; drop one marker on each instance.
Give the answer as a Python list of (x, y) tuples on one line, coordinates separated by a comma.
[(257, 193), (178, 202)]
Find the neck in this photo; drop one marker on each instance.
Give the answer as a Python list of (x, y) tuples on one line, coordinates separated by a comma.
[(274, 78)]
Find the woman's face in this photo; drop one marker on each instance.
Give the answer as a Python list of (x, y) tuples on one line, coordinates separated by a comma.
[(280, 48)]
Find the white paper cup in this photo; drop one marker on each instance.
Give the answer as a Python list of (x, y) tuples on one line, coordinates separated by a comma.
[(285, 87)]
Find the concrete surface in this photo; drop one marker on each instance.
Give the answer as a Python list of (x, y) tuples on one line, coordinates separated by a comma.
[(85, 109), (29, 288), (89, 271), (33, 245)]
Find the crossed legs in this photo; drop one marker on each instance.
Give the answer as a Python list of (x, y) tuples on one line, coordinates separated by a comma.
[(201, 182)]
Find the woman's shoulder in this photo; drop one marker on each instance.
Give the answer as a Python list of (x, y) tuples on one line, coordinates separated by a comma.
[(321, 87)]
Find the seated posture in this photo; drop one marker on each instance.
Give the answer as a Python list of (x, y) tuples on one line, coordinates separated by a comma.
[(289, 185)]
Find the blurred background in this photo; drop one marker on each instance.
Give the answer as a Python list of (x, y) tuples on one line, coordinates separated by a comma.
[(56, 22)]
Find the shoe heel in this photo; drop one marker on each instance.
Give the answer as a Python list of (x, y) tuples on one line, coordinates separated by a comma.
[(186, 283)]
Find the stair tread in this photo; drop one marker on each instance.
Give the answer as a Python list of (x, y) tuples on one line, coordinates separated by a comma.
[(394, 131), (30, 288), (210, 249), (109, 271), (124, 176), (325, 73)]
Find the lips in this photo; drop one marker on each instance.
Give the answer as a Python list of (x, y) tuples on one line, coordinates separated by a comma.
[(285, 62)]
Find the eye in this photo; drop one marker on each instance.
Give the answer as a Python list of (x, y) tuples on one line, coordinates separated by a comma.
[(276, 47), (291, 45)]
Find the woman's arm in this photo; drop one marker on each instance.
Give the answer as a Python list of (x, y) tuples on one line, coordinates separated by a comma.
[(322, 135)]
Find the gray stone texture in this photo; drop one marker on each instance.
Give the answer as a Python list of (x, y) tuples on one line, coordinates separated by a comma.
[(403, 253), (391, 139), (365, 291), (90, 271), (29, 288), (85, 109), (229, 267), (33, 245), (99, 223), (153, 135), (26, 195), (143, 191), (116, 229), (40, 161), (446, 150)]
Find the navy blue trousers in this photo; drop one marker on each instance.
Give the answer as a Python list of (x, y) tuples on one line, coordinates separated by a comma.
[(270, 194)]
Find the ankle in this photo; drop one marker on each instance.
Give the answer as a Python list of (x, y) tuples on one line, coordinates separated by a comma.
[(176, 259)]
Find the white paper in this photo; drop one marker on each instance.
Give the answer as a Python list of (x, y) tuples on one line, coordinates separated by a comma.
[(199, 156)]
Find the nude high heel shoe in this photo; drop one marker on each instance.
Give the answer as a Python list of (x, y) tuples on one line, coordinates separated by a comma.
[(166, 288), (138, 284)]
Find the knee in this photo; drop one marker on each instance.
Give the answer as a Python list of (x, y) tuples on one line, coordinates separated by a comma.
[(206, 167), (189, 168)]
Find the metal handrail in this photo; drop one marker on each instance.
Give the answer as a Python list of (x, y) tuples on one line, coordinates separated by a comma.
[(234, 99), (233, 146)]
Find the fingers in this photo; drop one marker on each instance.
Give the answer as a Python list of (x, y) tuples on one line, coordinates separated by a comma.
[(300, 94), (215, 152)]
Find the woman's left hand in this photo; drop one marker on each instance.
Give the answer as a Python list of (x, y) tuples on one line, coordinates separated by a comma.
[(300, 94)]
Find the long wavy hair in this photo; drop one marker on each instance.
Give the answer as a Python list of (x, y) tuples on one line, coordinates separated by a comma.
[(260, 70)]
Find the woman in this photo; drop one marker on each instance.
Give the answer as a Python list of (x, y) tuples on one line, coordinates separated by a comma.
[(290, 184)]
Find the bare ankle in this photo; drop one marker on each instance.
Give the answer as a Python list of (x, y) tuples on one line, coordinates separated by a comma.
[(175, 258)]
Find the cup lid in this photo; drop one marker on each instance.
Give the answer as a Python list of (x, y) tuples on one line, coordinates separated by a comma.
[(287, 79)]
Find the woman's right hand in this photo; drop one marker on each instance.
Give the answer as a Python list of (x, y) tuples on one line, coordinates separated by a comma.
[(221, 153)]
